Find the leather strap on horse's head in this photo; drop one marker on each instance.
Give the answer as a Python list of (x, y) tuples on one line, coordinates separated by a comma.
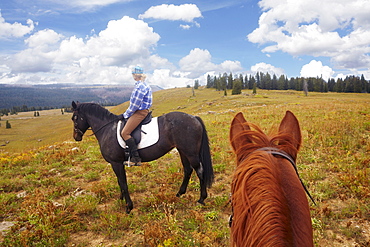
[(276, 151)]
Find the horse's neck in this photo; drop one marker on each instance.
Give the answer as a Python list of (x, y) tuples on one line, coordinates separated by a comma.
[(96, 123), (298, 204), (294, 212)]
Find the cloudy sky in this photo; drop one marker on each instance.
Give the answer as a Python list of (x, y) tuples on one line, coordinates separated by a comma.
[(177, 42)]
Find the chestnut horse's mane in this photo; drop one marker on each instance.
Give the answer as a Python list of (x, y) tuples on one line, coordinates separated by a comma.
[(256, 180)]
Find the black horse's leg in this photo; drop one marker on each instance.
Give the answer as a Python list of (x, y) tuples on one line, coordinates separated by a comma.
[(190, 163), (196, 165), (119, 170), (187, 174)]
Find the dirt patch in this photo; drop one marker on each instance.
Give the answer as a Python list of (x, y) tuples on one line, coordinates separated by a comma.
[(91, 239)]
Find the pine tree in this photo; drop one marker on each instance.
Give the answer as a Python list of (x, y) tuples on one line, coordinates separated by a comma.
[(251, 82), (241, 79), (224, 81), (230, 81), (210, 82), (237, 87), (274, 82), (281, 83), (258, 80), (196, 84), (364, 84), (255, 88), (8, 125)]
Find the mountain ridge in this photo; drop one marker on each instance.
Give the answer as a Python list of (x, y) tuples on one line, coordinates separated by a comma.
[(61, 95)]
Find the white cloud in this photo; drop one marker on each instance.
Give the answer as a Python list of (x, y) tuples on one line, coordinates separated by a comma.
[(186, 27), (44, 38), (70, 50), (316, 69), (342, 33), (167, 79), (194, 66), (105, 58), (359, 73), (16, 29), (83, 5), (89, 70), (93, 3), (199, 61), (31, 60), (124, 42), (184, 12), (266, 68), (230, 66)]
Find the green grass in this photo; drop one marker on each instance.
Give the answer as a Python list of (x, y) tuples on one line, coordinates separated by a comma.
[(62, 193)]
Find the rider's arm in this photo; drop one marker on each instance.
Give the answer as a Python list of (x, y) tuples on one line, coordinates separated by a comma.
[(135, 102)]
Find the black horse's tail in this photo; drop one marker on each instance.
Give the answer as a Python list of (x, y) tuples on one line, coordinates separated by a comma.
[(205, 157)]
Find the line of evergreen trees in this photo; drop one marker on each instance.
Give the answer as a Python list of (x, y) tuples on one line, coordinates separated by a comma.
[(351, 84), (23, 108)]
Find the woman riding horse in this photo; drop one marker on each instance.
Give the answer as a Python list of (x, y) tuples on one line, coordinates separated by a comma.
[(140, 102)]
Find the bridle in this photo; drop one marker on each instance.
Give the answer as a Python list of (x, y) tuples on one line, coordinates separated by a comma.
[(285, 155), (281, 153), (77, 130)]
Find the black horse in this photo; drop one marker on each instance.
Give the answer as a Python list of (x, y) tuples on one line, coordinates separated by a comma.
[(178, 130)]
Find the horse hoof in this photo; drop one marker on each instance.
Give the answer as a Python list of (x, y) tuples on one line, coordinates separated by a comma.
[(128, 210), (129, 207), (201, 202)]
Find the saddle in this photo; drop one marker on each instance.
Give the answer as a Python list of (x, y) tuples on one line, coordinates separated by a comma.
[(136, 134)]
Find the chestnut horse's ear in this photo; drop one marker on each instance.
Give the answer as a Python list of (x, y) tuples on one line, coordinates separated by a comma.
[(290, 126), (238, 125), (74, 105)]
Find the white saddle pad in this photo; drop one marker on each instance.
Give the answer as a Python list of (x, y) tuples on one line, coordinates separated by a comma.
[(149, 134)]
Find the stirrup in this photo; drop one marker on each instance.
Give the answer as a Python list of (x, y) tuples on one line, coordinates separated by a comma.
[(130, 163)]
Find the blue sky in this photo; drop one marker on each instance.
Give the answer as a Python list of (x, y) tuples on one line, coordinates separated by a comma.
[(177, 42)]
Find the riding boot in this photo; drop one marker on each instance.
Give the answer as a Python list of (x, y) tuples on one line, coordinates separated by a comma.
[(132, 147)]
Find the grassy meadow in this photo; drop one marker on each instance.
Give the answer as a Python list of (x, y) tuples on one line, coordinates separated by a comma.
[(58, 192)]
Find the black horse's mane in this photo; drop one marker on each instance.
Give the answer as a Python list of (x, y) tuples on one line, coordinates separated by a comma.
[(96, 110)]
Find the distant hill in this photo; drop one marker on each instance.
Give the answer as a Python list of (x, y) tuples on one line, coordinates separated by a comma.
[(61, 95)]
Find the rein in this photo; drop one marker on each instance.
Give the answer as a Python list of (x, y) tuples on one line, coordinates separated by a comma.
[(101, 127), (76, 129)]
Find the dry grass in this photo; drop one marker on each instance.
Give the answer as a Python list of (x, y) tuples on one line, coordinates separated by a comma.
[(67, 195), (29, 132)]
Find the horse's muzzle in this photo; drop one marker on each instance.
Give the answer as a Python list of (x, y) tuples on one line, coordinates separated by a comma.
[(77, 136)]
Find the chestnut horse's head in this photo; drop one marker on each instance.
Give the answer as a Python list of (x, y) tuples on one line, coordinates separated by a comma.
[(269, 204), (244, 140)]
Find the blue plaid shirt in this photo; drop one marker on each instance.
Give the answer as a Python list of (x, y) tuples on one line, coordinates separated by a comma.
[(141, 99)]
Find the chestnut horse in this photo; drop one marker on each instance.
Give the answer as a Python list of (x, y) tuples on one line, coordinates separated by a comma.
[(268, 199)]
